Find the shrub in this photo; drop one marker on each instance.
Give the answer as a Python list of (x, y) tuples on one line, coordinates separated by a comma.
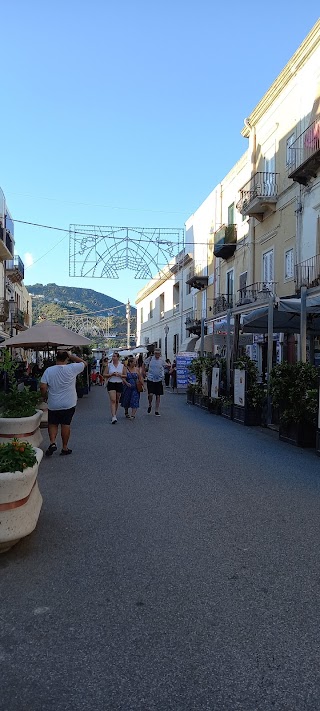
[(16, 456), (294, 390)]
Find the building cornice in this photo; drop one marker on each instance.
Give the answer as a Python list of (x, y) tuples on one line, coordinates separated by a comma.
[(166, 274), (300, 57)]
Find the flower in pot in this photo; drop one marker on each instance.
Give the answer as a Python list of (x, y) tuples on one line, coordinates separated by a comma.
[(20, 498)]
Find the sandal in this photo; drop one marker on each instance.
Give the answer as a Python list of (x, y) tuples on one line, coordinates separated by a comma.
[(52, 448), (66, 451)]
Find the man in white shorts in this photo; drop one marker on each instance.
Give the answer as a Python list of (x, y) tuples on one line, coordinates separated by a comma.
[(59, 384)]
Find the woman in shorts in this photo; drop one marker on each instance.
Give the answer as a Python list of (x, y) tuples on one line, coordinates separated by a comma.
[(115, 374)]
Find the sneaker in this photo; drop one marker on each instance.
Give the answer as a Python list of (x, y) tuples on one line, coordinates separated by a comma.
[(157, 414), (114, 420), (149, 409)]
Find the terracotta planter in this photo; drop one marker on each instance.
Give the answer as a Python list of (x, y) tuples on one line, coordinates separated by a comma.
[(20, 504), (26, 428)]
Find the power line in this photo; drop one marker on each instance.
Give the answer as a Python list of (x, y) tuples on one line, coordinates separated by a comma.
[(107, 207)]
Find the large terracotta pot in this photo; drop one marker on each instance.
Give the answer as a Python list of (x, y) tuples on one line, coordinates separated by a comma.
[(20, 504), (26, 428)]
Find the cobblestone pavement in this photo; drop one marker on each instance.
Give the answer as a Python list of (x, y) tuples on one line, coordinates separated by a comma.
[(175, 566)]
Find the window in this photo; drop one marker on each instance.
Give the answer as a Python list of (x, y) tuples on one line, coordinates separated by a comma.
[(151, 310), (141, 314), (176, 290), (162, 305), (176, 343), (243, 285), (231, 214), (229, 293), (159, 343), (288, 264), (290, 153), (188, 287), (267, 267)]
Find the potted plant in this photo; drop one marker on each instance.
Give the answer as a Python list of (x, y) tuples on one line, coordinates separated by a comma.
[(190, 393), (81, 385), (250, 413), (294, 390), (20, 498), (201, 367), (215, 405), (227, 407), (19, 416)]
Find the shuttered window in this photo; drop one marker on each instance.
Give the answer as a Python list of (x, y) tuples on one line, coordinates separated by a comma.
[(288, 264), (268, 268)]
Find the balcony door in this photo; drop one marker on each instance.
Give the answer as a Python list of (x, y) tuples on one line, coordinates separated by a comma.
[(231, 214), (269, 172), (230, 285), (268, 269)]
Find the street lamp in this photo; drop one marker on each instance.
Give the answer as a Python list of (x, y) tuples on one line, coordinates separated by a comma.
[(166, 330), (11, 312)]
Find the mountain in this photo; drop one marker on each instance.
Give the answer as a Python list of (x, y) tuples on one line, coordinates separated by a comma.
[(56, 302)]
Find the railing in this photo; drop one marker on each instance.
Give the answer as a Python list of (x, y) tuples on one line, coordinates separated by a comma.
[(226, 234), (18, 317), (4, 310), (15, 264), (306, 145), (259, 291), (222, 303), (307, 273), (260, 185)]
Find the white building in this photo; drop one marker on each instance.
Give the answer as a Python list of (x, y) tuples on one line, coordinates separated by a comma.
[(163, 306)]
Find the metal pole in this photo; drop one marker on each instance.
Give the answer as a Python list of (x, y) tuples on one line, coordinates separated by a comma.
[(128, 323), (228, 349), (303, 325), (270, 354), (202, 337)]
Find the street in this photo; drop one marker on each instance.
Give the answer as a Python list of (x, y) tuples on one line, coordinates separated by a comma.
[(175, 567)]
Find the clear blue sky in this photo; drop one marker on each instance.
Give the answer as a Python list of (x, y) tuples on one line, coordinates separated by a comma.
[(128, 113)]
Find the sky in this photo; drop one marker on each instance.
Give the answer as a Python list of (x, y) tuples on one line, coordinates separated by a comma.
[(127, 114)]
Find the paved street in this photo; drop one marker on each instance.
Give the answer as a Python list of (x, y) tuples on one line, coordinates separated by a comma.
[(175, 567)]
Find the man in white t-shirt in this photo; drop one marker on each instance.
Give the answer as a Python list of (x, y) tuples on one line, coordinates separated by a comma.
[(58, 383)]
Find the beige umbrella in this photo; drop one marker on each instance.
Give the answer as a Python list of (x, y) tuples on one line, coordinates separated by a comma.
[(46, 334)]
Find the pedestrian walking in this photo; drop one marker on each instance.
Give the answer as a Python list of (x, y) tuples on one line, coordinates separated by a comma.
[(130, 398), (115, 374), (155, 377), (58, 384), (173, 375), (167, 368), (141, 366)]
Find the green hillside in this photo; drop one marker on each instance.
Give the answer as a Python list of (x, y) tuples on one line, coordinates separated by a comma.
[(56, 302)]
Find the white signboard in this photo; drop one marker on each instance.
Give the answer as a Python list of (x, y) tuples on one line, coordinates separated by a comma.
[(239, 387), (215, 383)]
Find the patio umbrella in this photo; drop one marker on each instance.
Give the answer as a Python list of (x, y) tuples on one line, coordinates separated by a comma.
[(46, 334)]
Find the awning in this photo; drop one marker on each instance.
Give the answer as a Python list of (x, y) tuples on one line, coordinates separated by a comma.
[(207, 343), (286, 318), (45, 334), (188, 345)]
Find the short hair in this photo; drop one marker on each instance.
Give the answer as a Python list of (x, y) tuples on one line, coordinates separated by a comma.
[(62, 356), (157, 350)]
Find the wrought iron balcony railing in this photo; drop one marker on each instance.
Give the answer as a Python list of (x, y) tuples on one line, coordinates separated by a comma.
[(306, 154), (259, 292), (259, 195), (17, 317), (6, 244), (307, 273), (193, 320), (15, 269), (222, 303)]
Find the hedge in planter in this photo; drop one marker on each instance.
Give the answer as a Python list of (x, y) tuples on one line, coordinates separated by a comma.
[(19, 416), (294, 390)]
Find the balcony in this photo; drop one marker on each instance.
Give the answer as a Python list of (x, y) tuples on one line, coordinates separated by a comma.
[(15, 269), (307, 273), (6, 244), (198, 281), (193, 323), (306, 159), (225, 241), (18, 319), (221, 304), (4, 310), (257, 293), (259, 196)]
